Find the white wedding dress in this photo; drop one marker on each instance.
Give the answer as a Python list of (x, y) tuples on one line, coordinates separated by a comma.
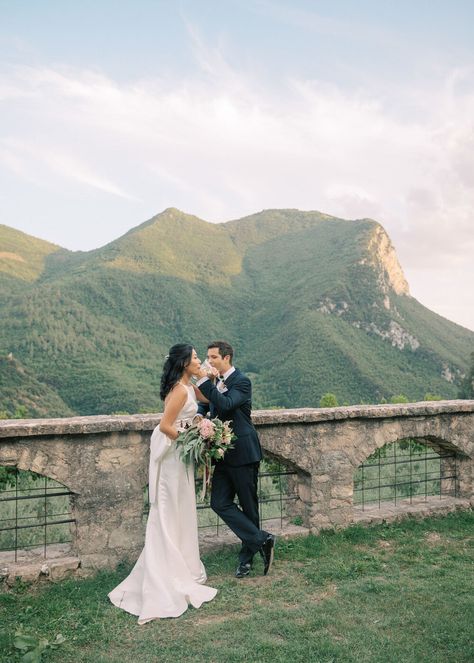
[(169, 574)]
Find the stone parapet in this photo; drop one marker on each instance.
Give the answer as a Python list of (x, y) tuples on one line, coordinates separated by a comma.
[(103, 461), (109, 423)]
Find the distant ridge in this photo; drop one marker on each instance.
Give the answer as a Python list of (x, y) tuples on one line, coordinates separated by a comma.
[(312, 303), (23, 256)]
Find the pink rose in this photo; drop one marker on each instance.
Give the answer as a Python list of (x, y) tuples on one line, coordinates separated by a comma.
[(220, 452), (206, 428)]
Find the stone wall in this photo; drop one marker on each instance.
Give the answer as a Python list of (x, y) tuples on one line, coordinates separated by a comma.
[(103, 460)]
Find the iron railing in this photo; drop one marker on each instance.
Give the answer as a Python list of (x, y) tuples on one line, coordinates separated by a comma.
[(35, 512), (275, 491), (405, 470)]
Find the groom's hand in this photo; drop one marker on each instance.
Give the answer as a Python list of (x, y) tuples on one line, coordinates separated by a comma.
[(209, 373), (201, 374)]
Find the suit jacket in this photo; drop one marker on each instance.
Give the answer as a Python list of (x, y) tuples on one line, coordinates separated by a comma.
[(234, 405)]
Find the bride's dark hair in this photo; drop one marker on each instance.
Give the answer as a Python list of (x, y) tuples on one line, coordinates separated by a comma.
[(176, 361)]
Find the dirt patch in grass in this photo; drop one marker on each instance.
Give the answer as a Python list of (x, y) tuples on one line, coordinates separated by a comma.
[(362, 547), (311, 597), (280, 571), (323, 594), (273, 639), (214, 619)]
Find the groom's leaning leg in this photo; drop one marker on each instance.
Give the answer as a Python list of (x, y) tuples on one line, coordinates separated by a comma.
[(245, 479), (222, 502), (246, 485)]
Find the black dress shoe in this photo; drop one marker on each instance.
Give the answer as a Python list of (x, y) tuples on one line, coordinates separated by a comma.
[(266, 552), (243, 570)]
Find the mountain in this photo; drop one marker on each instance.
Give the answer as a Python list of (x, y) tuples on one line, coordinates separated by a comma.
[(312, 303)]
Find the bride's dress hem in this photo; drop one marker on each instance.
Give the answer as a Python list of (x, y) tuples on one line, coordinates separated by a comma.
[(171, 615)]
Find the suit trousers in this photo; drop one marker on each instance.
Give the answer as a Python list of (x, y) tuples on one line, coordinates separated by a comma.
[(243, 520)]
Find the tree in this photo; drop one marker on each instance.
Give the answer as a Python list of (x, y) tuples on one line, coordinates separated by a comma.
[(432, 397), (21, 412), (467, 383), (328, 400), (399, 398)]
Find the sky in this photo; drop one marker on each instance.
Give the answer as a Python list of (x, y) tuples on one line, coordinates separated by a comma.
[(112, 111)]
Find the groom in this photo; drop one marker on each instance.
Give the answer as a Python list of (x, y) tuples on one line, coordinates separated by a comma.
[(237, 473)]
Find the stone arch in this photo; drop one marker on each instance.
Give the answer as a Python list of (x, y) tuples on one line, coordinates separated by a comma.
[(460, 448), (406, 469), (285, 490), (380, 433), (36, 515), (299, 482)]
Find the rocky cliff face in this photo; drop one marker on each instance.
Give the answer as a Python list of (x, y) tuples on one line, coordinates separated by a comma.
[(382, 255)]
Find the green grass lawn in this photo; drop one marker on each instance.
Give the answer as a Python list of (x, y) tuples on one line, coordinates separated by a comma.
[(398, 593)]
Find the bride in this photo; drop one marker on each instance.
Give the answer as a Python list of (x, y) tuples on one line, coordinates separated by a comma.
[(169, 574)]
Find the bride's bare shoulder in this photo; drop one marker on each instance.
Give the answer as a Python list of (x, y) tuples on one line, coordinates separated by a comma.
[(177, 393)]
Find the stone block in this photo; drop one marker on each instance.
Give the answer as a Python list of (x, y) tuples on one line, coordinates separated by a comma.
[(342, 491), (304, 492), (123, 537), (26, 572), (319, 521), (339, 503), (114, 459), (99, 561), (63, 568), (322, 478)]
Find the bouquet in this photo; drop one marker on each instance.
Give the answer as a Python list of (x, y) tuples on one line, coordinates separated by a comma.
[(203, 442)]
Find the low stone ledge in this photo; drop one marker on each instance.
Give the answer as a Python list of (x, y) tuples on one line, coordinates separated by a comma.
[(418, 507), (13, 428), (46, 569), (31, 568)]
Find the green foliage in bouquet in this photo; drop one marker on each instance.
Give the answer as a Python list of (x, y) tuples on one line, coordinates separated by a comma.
[(205, 441)]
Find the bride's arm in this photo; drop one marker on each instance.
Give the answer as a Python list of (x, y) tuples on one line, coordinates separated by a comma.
[(173, 405), (199, 395)]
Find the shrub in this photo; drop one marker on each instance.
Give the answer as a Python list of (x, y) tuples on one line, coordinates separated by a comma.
[(399, 398), (328, 400), (432, 397)]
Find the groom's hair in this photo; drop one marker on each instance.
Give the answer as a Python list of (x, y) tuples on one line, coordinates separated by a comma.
[(223, 347)]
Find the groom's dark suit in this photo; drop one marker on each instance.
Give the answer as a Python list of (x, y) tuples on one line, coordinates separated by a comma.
[(237, 472)]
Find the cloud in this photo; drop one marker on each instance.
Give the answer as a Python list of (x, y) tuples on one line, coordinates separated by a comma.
[(221, 144), (40, 163)]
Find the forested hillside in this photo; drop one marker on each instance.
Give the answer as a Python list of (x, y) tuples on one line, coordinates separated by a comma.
[(311, 303)]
